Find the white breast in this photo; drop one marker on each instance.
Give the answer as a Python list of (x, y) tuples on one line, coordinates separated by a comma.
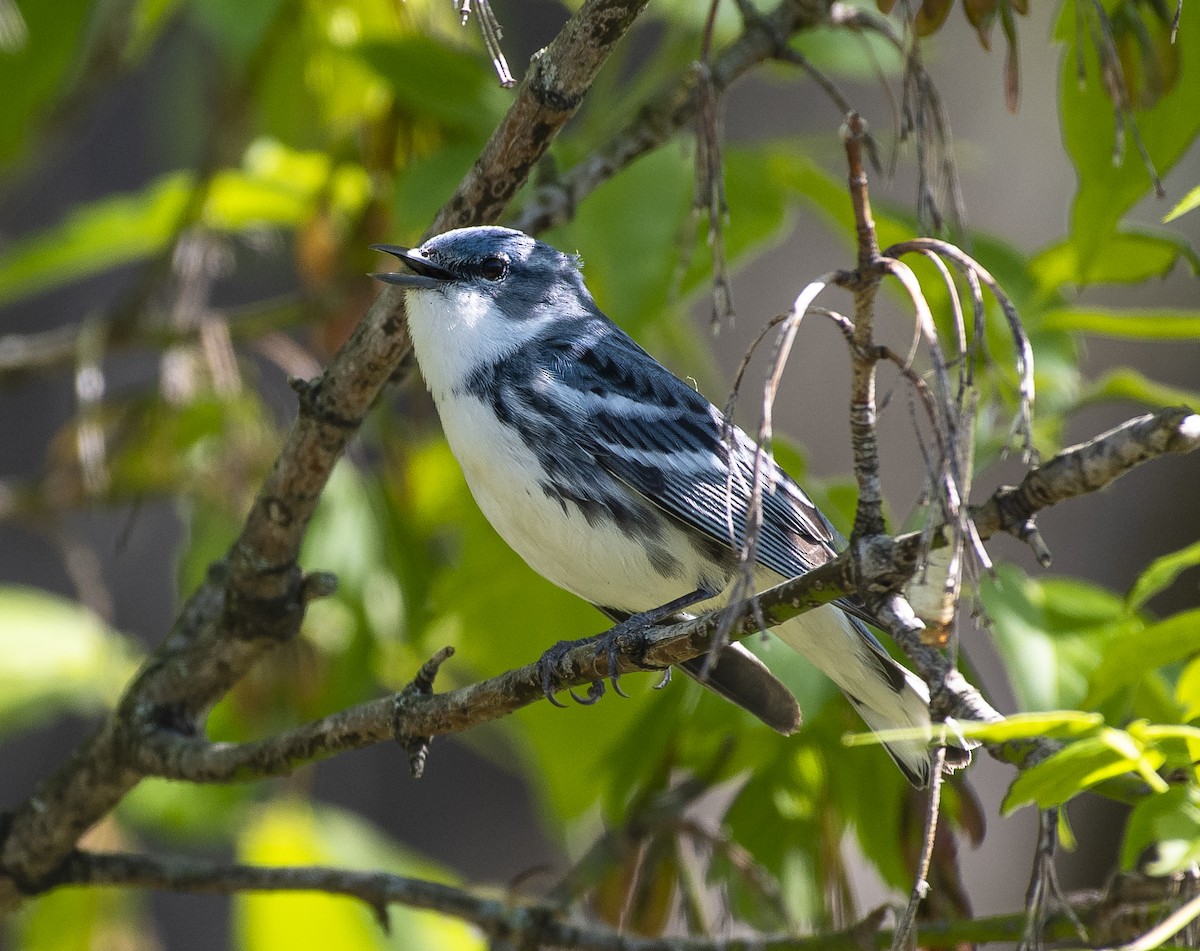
[(597, 562)]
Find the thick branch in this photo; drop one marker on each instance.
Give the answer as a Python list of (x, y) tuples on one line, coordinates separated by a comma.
[(240, 613)]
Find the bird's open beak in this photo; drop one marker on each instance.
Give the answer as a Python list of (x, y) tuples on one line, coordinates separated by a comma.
[(425, 274)]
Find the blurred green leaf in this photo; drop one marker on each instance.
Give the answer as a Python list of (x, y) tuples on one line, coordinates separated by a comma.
[(1107, 189), (1188, 202), (291, 832), (186, 812), (83, 919), (56, 657), (32, 75), (235, 27), (277, 189), (1161, 574), (107, 233), (631, 242), (1051, 634), (1140, 651), (432, 80), (1163, 833), (1130, 324), (1187, 691), (1127, 384), (1130, 255), (424, 185)]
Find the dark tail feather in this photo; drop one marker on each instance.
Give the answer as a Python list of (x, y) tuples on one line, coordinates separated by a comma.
[(742, 678)]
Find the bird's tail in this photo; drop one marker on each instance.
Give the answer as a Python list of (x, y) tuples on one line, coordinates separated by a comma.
[(886, 695)]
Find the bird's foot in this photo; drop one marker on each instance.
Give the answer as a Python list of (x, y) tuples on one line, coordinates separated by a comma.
[(552, 666), (629, 637)]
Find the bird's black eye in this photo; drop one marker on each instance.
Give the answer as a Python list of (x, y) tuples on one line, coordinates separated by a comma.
[(493, 268)]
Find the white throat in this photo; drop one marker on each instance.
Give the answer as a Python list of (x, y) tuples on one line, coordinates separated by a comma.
[(456, 330)]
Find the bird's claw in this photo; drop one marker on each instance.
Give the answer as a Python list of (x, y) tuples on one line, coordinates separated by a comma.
[(551, 667), (595, 692)]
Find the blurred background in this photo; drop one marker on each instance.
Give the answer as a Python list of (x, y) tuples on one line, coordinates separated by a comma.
[(130, 556)]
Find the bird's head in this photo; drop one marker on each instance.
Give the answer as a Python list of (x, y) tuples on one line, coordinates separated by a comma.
[(508, 267), (476, 293)]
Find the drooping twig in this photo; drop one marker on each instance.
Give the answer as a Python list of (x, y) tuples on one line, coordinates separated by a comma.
[(903, 938)]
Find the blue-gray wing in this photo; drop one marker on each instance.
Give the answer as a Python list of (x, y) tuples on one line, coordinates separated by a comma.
[(656, 434)]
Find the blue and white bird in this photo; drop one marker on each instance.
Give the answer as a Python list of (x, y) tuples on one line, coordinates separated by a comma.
[(611, 477)]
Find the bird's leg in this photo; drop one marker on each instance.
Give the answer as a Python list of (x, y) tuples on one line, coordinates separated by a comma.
[(629, 637), (626, 637)]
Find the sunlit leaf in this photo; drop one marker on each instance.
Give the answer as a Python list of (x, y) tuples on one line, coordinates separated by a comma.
[(1129, 324), (1077, 767), (290, 832), (1108, 189), (56, 657), (1188, 202), (1052, 724)]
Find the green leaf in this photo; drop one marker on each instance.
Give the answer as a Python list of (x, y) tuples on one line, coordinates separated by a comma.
[(56, 656), (290, 832), (1052, 724), (1107, 189), (1188, 202), (1187, 691), (1138, 652), (1130, 255), (432, 80), (1161, 574), (1129, 324), (1078, 767), (101, 235), (1127, 384), (80, 919), (1051, 634), (277, 188), (1162, 835), (185, 812)]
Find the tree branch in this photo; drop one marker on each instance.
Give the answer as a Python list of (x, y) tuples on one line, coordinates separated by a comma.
[(418, 713), (258, 598), (531, 924)]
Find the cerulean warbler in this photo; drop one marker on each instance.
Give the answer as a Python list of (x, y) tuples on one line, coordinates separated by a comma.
[(612, 477)]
